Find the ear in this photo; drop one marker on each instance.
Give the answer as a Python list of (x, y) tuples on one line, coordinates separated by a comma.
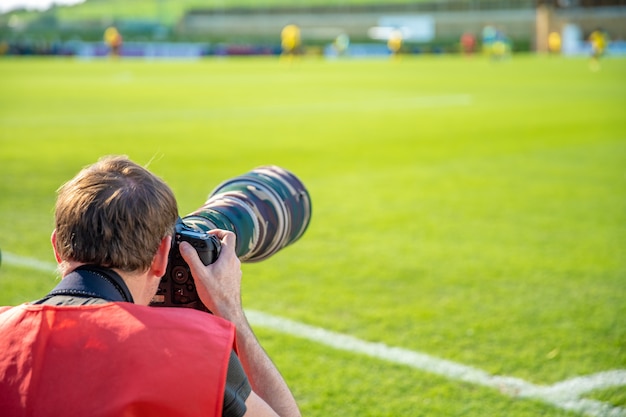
[(159, 263), (53, 240)]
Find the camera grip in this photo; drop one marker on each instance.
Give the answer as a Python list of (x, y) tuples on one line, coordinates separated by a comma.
[(208, 250), (177, 287)]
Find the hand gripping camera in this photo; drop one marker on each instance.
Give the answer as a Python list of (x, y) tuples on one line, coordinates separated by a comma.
[(177, 287), (267, 208)]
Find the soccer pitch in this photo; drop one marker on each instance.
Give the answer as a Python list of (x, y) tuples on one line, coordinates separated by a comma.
[(466, 255)]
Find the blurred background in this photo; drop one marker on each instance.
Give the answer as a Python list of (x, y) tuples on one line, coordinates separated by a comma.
[(468, 196), (193, 28)]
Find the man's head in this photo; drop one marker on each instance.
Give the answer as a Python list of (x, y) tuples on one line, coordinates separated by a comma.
[(115, 214)]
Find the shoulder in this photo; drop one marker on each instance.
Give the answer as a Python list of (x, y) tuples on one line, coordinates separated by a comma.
[(130, 317), (171, 320), (9, 312), (5, 308), (172, 314)]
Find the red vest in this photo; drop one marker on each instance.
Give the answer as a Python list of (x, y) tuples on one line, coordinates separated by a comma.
[(114, 359)]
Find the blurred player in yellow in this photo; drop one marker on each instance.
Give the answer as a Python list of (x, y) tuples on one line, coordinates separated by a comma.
[(394, 43), (113, 39), (290, 41), (599, 41), (554, 43)]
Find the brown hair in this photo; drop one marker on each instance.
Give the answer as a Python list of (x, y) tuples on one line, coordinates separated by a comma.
[(114, 213)]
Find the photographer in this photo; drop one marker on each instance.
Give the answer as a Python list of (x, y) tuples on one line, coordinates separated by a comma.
[(94, 347)]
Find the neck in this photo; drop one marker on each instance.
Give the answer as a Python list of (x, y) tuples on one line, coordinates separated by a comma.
[(142, 285)]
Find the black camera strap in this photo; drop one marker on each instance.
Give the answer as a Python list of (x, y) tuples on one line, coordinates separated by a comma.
[(93, 281)]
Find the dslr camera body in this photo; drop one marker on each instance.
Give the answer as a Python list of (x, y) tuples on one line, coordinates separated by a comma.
[(177, 287)]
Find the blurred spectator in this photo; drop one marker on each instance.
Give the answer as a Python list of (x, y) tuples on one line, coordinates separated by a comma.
[(554, 42), (394, 43), (599, 41), (489, 37), (113, 39), (341, 44), (496, 44), (468, 43), (290, 40)]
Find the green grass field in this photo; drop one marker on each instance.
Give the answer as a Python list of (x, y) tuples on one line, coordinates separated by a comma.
[(468, 210)]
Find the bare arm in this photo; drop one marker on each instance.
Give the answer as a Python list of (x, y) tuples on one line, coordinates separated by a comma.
[(219, 288)]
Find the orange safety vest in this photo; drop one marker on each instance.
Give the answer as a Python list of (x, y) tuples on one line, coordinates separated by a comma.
[(113, 359)]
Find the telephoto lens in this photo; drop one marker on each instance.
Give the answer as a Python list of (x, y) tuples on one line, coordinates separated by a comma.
[(267, 209)]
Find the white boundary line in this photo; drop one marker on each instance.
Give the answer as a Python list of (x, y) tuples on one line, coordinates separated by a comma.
[(565, 394), (29, 263)]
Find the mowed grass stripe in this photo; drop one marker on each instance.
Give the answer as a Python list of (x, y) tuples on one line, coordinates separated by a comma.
[(224, 112)]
